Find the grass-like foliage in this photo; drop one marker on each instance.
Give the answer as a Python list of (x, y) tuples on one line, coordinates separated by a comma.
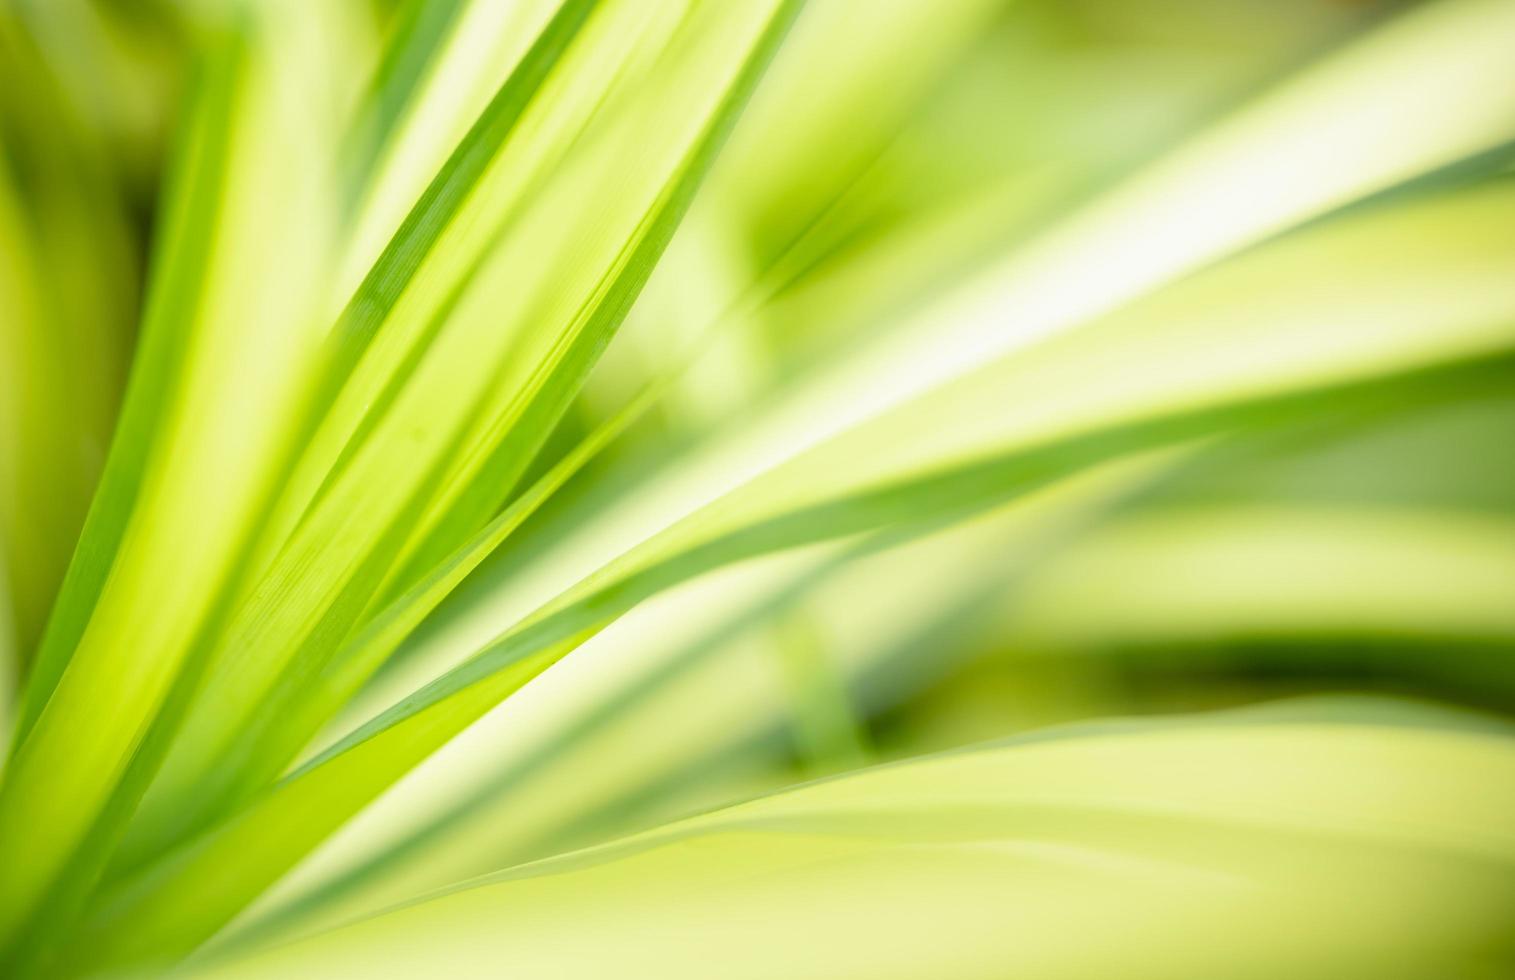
[(699, 488)]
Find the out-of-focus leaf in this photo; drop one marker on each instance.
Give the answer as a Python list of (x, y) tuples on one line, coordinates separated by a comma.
[(963, 450), (67, 265), (208, 415), (480, 418), (687, 676), (365, 377), (1289, 571), (1367, 554), (1157, 225), (1189, 850)]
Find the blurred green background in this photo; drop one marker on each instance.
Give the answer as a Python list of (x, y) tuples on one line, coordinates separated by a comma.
[(897, 150)]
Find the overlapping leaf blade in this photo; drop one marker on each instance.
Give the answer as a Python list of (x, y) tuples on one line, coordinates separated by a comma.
[(1189, 849)]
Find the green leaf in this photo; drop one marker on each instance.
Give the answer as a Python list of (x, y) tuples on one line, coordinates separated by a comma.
[(67, 261), (206, 425), (1321, 571), (687, 677), (1148, 850), (374, 476), (1160, 223), (1391, 335), (225, 754)]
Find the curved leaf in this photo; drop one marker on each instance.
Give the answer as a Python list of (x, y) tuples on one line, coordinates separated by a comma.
[(1173, 851)]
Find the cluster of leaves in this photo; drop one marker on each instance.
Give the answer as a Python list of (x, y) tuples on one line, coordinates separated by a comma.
[(547, 419)]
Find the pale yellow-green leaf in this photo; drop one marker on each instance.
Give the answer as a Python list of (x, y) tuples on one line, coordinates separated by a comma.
[(1150, 851)]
